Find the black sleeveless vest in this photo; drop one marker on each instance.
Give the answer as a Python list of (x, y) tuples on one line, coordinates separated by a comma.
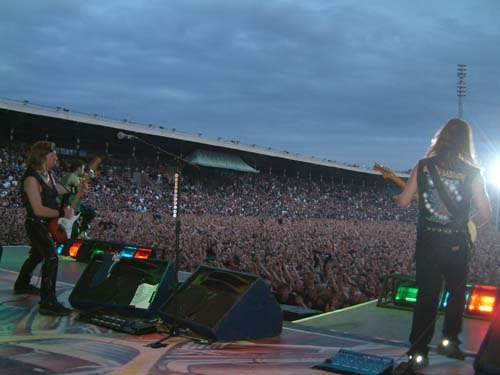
[(48, 194), (457, 178)]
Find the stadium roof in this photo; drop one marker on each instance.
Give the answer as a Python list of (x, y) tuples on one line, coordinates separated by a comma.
[(66, 117)]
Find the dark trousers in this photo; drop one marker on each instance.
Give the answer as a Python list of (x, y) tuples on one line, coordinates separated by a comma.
[(42, 250), (88, 214), (439, 258), (82, 224)]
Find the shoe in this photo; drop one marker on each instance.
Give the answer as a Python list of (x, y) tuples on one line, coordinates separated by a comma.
[(450, 349), (54, 309), (415, 362), (26, 289)]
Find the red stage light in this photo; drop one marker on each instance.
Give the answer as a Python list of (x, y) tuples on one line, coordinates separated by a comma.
[(483, 300), (74, 248), (142, 253)]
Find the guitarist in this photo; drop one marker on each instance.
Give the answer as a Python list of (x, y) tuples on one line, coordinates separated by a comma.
[(39, 193), (71, 182), (447, 181)]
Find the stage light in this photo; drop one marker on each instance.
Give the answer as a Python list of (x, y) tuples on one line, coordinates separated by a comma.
[(135, 252), (128, 251), (494, 176), (142, 253), (75, 248), (494, 173), (444, 300), (483, 300), (406, 294), (398, 291), (60, 248), (96, 252)]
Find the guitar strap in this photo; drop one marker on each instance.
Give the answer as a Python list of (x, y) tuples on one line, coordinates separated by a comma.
[(448, 202), (442, 191)]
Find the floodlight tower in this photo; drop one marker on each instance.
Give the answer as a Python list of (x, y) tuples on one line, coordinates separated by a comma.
[(461, 87)]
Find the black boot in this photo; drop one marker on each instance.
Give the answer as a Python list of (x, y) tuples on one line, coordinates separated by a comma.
[(450, 348), (53, 308), (48, 301), (22, 284), (26, 289)]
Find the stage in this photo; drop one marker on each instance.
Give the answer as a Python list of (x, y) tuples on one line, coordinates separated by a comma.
[(35, 344)]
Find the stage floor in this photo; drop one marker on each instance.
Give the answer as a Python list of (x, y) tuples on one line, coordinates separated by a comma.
[(35, 344)]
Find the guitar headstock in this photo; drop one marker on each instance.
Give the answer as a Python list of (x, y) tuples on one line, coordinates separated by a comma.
[(95, 163), (93, 166), (384, 171), (388, 173)]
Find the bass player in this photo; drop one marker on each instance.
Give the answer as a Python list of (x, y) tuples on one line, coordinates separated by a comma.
[(39, 193), (448, 183)]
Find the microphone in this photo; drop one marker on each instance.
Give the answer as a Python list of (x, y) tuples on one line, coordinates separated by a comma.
[(104, 272), (116, 258), (122, 135)]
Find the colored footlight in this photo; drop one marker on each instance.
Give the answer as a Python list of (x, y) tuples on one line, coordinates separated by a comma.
[(135, 252), (128, 251), (60, 248), (75, 248), (482, 300), (96, 252), (400, 291), (142, 253), (406, 294)]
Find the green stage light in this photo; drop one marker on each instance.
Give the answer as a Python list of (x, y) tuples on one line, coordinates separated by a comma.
[(406, 294)]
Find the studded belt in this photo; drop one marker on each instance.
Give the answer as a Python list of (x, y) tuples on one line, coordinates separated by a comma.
[(441, 230), (38, 220)]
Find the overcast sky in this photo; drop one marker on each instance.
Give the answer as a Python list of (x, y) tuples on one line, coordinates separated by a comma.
[(353, 81)]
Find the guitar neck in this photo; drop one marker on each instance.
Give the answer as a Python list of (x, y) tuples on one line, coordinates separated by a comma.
[(399, 181), (79, 193), (387, 173), (75, 200), (93, 165)]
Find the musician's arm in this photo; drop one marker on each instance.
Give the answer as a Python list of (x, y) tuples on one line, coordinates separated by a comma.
[(481, 201), (73, 185), (61, 189), (404, 199)]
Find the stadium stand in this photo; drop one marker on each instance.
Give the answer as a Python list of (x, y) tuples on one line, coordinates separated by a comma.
[(323, 236)]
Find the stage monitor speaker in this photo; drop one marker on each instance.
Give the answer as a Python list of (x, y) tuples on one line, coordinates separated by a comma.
[(125, 286), (487, 361), (224, 305)]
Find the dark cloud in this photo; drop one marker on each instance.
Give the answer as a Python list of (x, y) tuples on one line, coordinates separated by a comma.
[(356, 82)]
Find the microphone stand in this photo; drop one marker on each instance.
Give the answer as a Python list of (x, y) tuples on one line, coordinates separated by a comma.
[(174, 330), (181, 163)]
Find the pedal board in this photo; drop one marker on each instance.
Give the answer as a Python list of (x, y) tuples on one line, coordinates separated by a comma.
[(119, 323), (350, 362)]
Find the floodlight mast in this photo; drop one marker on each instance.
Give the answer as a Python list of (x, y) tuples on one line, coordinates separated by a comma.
[(461, 88)]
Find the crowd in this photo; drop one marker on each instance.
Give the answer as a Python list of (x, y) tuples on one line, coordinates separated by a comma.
[(318, 244)]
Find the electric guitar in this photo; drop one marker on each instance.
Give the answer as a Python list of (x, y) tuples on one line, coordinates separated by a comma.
[(61, 228), (389, 174)]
